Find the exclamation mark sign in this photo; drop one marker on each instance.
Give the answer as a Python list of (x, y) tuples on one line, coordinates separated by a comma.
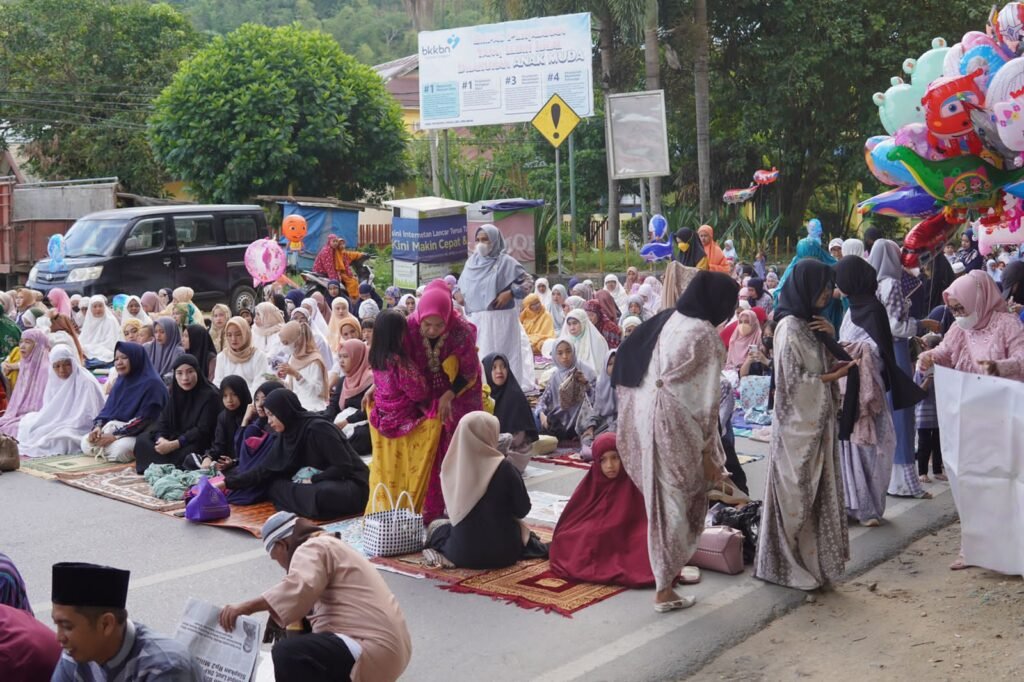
[(556, 113)]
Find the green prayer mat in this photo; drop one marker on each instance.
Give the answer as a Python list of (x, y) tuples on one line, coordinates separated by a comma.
[(49, 467)]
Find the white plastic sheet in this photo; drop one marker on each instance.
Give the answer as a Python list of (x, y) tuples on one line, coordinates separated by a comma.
[(981, 425)]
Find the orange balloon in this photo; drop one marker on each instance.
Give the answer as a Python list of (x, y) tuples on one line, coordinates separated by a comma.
[(294, 228)]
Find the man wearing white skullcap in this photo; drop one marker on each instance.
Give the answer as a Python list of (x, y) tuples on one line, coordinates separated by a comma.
[(358, 629)]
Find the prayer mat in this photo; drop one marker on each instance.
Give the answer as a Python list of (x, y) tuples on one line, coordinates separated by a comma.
[(748, 459), (546, 508), (532, 585), (124, 485), (249, 518), (49, 467), (563, 459), (412, 566)]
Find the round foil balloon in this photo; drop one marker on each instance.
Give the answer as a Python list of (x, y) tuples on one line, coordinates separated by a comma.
[(265, 261)]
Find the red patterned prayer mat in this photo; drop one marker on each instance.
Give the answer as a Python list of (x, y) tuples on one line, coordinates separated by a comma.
[(534, 586), (563, 460)]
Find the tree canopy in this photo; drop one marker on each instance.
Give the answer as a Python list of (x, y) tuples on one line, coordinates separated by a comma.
[(281, 110), (76, 78)]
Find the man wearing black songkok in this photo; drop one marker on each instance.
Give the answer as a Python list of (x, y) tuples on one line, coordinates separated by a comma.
[(99, 641)]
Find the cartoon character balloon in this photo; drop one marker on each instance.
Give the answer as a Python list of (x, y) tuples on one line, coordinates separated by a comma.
[(119, 302), (658, 248), (265, 260), (766, 177), (1008, 26), (55, 249), (294, 229), (947, 113)]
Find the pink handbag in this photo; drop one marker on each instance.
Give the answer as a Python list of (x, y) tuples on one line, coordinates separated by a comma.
[(720, 549)]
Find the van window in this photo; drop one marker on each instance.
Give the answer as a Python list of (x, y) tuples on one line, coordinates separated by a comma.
[(146, 235), (194, 231), (241, 229)]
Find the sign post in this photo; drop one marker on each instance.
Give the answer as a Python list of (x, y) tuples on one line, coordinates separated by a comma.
[(555, 121)]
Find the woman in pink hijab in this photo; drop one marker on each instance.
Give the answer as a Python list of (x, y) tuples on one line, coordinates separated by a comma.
[(27, 395), (985, 338), (60, 301), (440, 339), (746, 334)]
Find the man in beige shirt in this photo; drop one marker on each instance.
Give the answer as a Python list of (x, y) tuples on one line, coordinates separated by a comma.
[(359, 631)]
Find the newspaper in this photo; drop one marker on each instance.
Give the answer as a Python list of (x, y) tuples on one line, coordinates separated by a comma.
[(223, 656)]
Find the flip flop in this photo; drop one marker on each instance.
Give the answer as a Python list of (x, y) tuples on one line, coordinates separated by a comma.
[(676, 605), (690, 575)]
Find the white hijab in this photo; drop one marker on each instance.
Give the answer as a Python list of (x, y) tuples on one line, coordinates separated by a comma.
[(619, 295), (590, 346), (545, 297), (100, 334), (316, 320), (69, 408), (142, 317)]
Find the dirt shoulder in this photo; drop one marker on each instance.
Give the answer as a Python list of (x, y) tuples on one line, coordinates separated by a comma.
[(910, 618)]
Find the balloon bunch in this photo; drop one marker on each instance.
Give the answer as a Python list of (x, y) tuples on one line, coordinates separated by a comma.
[(955, 140), (745, 194), (657, 247), (56, 250)]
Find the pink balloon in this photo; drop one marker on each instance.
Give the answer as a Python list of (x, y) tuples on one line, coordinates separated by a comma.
[(265, 260), (915, 136)]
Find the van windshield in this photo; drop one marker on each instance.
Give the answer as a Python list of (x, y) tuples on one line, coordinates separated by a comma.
[(93, 237)]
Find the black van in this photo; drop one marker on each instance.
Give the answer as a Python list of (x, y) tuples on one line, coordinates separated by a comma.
[(132, 250)]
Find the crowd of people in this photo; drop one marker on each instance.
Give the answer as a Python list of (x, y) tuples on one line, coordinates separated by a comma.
[(448, 392)]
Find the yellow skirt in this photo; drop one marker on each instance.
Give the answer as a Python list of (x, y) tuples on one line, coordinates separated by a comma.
[(403, 464)]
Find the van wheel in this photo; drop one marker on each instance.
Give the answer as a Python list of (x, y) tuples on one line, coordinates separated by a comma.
[(242, 297)]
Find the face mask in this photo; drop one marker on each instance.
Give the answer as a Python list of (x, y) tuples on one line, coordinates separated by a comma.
[(767, 342), (744, 329), (683, 247), (745, 304), (967, 321), (916, 272), (483, 249)]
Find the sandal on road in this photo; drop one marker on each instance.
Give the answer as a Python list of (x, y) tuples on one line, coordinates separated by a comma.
[(675, 605)]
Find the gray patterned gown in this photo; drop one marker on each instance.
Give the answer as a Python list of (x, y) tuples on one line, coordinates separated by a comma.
[(803, 541), (668, 439)]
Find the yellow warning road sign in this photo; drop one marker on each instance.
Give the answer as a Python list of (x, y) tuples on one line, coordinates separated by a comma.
[(555, 120)]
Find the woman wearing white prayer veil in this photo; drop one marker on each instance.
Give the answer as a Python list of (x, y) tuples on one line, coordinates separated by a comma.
[(590, 346), (133, 310), (614, 287), (853, 247), (100, 331), (316, 320), (542, 288), (71, 401)]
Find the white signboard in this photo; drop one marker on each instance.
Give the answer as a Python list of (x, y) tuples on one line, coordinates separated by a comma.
[(409, 276), (504, 73), (982, 421), (638, 134)]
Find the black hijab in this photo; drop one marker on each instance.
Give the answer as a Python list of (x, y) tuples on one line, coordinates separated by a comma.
[(266, 388), (510, 404), (1012, 281), (185, 408), (232, 419), (797, 298), (757, 284), (282, 305), (309, 439), (858, 280), (693, 255), (711, 296), (200, 346), (942, 276), (871, 235)]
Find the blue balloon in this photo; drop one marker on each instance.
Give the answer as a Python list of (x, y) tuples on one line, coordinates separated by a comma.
[(657, 226), (55, 250), (655, 251), (894, 169), (120, 301), (1016, 189)]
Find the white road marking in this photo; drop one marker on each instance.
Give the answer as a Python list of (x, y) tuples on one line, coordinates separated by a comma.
[(184, 572)]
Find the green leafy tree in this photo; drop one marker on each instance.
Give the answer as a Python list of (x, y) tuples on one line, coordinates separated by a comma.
[(76, 81), (280, 110)]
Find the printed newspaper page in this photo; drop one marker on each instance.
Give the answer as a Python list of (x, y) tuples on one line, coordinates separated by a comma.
[(223, 656)]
